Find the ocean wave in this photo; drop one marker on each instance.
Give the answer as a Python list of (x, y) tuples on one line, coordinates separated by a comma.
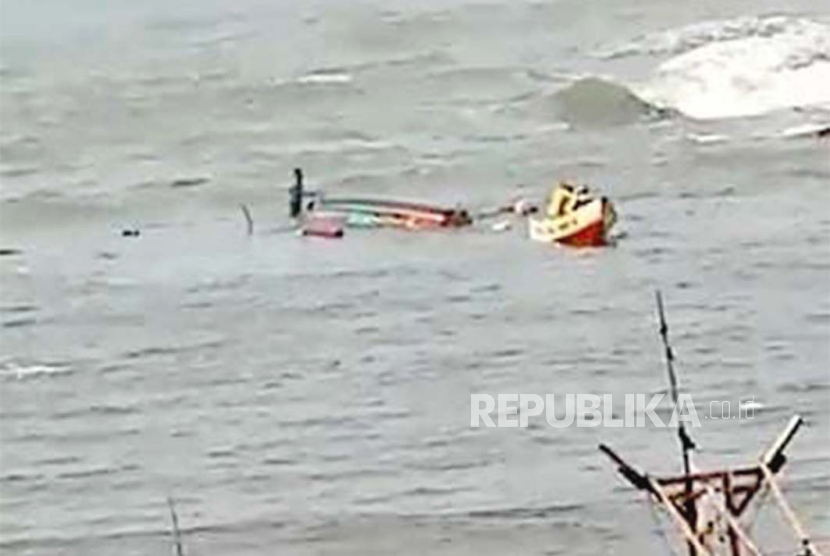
[(597, 101), (746, 67), (683, 39)]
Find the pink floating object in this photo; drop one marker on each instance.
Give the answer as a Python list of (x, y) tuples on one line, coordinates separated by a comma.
[(323, 225)]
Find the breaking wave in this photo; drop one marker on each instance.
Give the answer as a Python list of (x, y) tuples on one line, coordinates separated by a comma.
[(717, 70), (744, 67), (684, 39), (595, 101)]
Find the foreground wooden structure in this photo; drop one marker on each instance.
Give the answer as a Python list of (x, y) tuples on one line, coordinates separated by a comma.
[(728, 493), (721, 495)]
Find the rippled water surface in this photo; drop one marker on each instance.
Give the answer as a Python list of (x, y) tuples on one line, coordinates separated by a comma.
[(313, 397)]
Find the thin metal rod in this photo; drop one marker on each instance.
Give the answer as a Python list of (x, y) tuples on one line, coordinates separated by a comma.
[(686, 443), (249, 220), (177, 535)]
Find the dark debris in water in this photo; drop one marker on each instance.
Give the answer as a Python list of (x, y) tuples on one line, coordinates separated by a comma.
[(18, 308), (17, 323), (524, 513), (9, 251), (189, 182)]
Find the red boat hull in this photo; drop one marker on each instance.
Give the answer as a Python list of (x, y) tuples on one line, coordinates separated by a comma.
[(591, 236), (588, 226)]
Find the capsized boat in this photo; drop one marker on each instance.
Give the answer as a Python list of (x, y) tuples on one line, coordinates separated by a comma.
[(574, 217), (374, 212)]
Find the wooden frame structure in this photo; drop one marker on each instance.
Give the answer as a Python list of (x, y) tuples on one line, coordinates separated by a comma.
[(727, 492)]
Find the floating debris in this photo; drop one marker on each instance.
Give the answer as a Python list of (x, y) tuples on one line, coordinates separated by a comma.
[(189, 182), (323, 225), (249, 220), (501, 226)]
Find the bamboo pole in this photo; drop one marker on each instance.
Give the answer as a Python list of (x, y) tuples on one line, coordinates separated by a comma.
[(788, 512), (685, 528), (774, 456), (733, 523)]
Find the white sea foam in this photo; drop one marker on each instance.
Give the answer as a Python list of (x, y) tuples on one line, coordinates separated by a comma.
[(805, 130), (742, 68), (683, 39), (707, 138), (15, 370), (325, 78)]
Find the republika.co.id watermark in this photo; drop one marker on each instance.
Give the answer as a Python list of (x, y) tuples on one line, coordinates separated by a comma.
[(592, 410)]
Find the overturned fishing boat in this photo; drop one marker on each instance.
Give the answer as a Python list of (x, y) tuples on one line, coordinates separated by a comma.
[(319, 212), (371, 213), (574, 217)]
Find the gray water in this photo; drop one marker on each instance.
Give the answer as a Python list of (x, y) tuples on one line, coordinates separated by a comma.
[(296, 396)]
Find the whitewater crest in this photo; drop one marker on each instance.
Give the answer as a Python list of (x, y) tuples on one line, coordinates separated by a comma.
[(683, 39), (738, 68)]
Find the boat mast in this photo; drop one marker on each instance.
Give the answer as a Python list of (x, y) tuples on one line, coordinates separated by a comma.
[(295, 195), (686, 443)]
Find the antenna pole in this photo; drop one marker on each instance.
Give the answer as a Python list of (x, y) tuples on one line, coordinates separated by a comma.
[(686, 443)]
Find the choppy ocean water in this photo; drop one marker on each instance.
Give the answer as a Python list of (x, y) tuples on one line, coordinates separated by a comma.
[(312, 397)]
